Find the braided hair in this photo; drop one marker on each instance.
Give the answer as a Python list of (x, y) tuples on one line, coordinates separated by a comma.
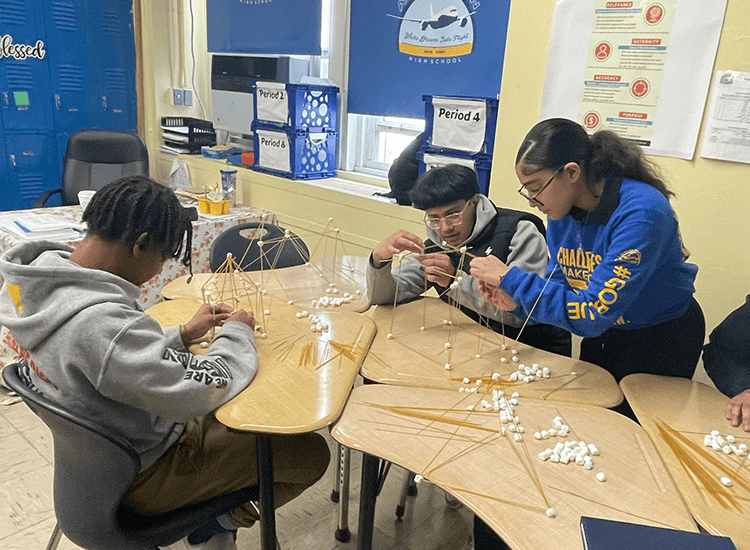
[(128, 207), (554, 142)]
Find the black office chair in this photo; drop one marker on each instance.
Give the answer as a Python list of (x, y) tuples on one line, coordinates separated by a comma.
[(281, 247), (94, 158), (93, 469)]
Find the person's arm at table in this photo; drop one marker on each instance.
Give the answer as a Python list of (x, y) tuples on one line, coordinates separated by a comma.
[(726, 358), (383, 279), (738, 411)]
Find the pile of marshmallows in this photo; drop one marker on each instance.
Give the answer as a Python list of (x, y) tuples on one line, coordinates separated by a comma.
[(578, 452), (725, 445)]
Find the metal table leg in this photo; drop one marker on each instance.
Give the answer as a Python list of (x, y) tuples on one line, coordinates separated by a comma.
[(342, 533), (265, 483)]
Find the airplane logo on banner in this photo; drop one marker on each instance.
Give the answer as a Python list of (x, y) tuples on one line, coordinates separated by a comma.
[(435, 28)]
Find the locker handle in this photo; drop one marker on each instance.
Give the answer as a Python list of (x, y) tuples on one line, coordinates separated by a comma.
[(7, 99), (13, 160), (28, 153), (104, 102), (58, 103)]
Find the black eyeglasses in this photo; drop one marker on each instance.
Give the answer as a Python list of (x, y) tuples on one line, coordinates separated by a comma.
[(451, 219), (533, 197)]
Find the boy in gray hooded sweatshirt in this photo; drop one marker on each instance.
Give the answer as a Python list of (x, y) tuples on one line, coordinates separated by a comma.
[(85, 343)]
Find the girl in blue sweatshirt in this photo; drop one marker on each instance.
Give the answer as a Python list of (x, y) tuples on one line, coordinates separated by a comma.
[(618, 273)]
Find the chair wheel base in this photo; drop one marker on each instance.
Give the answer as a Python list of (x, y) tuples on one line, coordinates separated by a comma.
[(335, 496), (343, 535), (400, 511)]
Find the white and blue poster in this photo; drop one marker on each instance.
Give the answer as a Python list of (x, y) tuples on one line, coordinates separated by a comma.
[(282, 27), (401, 50)]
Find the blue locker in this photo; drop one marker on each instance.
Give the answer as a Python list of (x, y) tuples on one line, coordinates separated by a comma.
[(72, 70), (113, 24), (25, 98), (5, 190), (86, 79), (32, 161)]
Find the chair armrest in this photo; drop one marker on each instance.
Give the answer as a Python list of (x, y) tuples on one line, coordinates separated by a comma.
[(44, 197)]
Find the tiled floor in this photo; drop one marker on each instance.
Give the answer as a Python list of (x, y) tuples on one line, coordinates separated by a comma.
[(309, 522)]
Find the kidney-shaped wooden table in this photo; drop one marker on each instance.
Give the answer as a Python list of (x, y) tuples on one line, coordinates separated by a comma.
[(415, 342), (678, 414), (435, 434), (304, 378)]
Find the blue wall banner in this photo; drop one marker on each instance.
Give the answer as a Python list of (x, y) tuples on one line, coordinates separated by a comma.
[(401, 50), (282, 27)]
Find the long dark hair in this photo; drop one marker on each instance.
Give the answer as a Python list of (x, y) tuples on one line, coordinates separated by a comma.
[(554, 142), (128, 207)]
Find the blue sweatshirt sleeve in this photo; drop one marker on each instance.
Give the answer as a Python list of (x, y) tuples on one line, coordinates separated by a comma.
[(636, 241)]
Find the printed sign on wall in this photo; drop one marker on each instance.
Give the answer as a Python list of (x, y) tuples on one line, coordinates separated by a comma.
[(401, 50)]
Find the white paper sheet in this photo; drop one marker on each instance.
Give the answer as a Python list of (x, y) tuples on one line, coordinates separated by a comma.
[(684, 76), (726, 134)]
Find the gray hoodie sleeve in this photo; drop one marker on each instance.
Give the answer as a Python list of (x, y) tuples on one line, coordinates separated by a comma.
[(382, 281), (136, 365)]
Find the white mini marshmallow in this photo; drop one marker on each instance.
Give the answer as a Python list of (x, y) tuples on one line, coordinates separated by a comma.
[(726, 482), (551, 512), (601, 477)]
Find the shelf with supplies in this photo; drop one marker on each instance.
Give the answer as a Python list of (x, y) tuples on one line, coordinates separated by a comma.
[(186, 135)]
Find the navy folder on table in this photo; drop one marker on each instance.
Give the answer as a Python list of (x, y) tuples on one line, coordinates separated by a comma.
[(605, 534)]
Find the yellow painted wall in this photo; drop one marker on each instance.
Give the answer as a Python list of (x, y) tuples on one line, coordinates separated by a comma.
[(712, 200)]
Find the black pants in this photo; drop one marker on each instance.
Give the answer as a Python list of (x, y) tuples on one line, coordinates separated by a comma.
[(671, 348)]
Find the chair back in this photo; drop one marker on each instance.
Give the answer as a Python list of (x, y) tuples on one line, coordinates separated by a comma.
[(281, 247), (94, 158), (93, 469)]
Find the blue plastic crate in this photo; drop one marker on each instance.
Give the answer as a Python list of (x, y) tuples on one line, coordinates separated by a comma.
[(489, 131), (482, 163), (312, 154), (309, 106)]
